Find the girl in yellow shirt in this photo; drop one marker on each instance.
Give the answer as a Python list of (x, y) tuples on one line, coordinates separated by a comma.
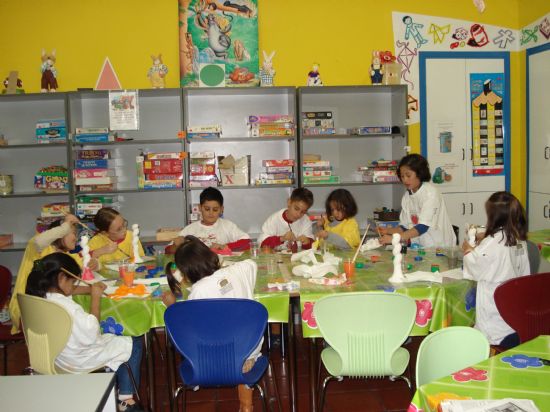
[(339, 227), (113, 241)]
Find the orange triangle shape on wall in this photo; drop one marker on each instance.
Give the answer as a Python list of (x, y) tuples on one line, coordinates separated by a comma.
[(107, 80)]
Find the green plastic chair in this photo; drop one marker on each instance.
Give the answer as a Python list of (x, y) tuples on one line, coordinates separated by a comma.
[(365, 332), (449, 350)]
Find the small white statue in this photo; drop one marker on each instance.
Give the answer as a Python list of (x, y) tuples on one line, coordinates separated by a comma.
[(472, 230), (87, 273), (135, 243), (397, 276)]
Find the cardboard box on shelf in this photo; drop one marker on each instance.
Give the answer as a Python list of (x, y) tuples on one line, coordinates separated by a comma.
[(168, 233), (6, 239), (234, 172)]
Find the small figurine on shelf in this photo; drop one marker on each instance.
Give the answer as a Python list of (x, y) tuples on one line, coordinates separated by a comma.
[(267, 73), (157, 72), (48, 82), (313, 77), (376, 71), (13, 84)]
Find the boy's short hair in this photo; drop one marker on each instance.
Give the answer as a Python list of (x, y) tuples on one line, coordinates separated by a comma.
[(211, 194), (418, 164), (301, 194)]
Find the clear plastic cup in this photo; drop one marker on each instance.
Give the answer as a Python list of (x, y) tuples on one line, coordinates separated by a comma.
[(272, 267), (349, 268), (254, 250)]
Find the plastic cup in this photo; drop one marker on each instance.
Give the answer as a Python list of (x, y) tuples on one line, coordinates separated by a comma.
[(254, 250), (452, 257), (128, 276), (122, 269), (272, 266), (349, 268), (159, 259)]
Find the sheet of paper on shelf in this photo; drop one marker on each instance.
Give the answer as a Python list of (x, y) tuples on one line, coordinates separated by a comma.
[(501, 405)]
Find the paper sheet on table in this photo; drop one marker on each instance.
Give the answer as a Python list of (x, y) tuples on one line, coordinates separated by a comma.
[(423, 276), (453, 274), (501, 405), (162, 281)]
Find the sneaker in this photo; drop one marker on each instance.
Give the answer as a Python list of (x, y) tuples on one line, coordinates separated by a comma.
[(122, 406)]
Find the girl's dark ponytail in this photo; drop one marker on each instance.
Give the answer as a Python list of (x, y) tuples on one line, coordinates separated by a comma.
[(174, 284)]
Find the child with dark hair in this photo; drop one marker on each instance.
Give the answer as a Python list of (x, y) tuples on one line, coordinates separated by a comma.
[(424, 218), (198, 265), (86, 348), (339, 227), (214, 231), (113, 241), (499, 256), (60, 237), (290, 224)]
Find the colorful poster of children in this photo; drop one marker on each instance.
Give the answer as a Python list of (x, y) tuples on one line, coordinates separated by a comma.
[(218, 43), (487, 96)]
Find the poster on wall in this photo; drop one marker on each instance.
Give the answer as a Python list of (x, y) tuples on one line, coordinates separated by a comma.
[(218, 43), (123, 110), (487, 96), (447, 167)]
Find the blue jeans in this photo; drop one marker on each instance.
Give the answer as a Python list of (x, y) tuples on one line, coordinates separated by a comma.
[(510, 341), (125, 386)]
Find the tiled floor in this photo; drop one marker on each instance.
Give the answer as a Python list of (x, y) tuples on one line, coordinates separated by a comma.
[(350, 395)]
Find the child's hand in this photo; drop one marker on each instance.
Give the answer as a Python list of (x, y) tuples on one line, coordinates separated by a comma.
[(305, 240), (323, 234), (288, 237), (109, 248), (466, 247), (178, 241), (217, 246), (168, 298), (383, 231), (93, 264), (96, 290), (386, 239), (72, 219)]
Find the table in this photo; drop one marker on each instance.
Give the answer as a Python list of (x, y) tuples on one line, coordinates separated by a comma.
[(517, 373), (540, 238), (60, 393)]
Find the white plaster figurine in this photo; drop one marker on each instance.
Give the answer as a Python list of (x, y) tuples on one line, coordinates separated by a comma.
[(472, 230), (135, 243), (397, 276), (87, 273)]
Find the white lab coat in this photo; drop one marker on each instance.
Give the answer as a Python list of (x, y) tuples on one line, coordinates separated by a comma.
[(223, 231), (87, 348), (427, 207), (276, 225), (490, 264)]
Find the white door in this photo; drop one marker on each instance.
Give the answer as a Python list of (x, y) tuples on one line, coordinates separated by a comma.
[(456, 204), (476, 207), (539, 211)]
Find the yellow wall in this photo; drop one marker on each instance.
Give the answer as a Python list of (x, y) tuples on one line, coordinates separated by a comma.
[(340, 35)]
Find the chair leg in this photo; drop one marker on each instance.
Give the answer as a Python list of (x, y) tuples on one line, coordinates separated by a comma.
[(283, 340), (324, 388), (262, 395), (5, 359), (157, 340), (403, 377), (133, 379), (175, 405)]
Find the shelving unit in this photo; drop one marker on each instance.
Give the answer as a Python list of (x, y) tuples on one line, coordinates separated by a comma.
[(230, 107), (356, 106), (163, 114)]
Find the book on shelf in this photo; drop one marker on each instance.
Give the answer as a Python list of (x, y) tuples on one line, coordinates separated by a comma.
[(321, 179), (97, 188), (278, 163), (162, 184), (276, 176), (314, 173), (163, 176), (316, 163), (91, 130), (89, 173), (93, 138), (97, 163), (166, 156), (260, 182), (270, 118), (168, 234), (95, 180), (94, 154)]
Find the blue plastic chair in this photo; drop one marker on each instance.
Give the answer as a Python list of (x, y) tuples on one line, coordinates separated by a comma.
[(215, 337)]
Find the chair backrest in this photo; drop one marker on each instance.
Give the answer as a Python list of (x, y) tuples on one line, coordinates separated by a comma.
[(365, 329), (47, 327), (524, 304), (449, 350), (215, 337), (5, 285), (533, 253)]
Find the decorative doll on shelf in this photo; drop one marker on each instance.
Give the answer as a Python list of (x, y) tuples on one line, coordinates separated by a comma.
[(313, 77), (376, 70), (267, 73), (157, 72), (48, 82)]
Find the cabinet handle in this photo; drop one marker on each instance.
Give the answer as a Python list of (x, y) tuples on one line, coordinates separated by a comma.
[(547, 152), (464, 209), (471, 208), (471, 154), (463, 154), (544, 212)]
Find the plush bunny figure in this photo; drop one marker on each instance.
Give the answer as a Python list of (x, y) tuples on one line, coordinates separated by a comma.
[(157, 72), (267, 73), (376, 70), (48, 82)]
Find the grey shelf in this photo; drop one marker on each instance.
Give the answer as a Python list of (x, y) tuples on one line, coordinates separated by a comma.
[(245, 187), (121, 191), (33, 145), (343, 184), (242, 139), (33, 194), (15, 247), (128, 142), (351, 136)]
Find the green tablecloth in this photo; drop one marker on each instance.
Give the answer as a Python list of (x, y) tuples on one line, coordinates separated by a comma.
[(517, 373), (135, 316), (438, 305), (541, 238)]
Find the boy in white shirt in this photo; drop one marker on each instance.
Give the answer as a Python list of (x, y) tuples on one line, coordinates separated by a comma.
[(215, 232), (291, 224)]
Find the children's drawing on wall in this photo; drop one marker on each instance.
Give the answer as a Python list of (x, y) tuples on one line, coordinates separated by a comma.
[(221, 33), (504, 37), (487, 96), (413, 30), (123, 110), (544, 28), (439, 32)]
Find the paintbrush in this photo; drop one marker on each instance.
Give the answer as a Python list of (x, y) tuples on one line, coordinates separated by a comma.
[(80, 279), (360, 243), (78, 222)]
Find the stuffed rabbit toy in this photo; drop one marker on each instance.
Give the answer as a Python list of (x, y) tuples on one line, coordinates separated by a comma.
[(48, 83), (267, 73)]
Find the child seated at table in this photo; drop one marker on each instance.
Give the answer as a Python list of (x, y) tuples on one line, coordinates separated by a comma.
[(60, 237), (87, 348), (200, 266), (501, 255), (291, 224), (113, 241), (214, 231), (339, 227)]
